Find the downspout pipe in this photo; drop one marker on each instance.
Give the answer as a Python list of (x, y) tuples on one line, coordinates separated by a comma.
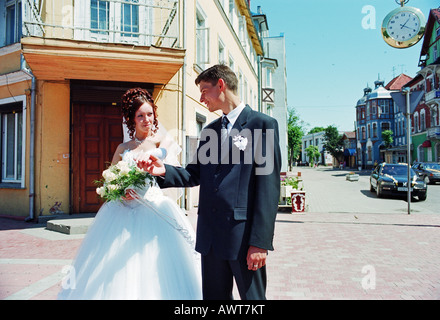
[(25, 69), (32, 153), (184, 152)]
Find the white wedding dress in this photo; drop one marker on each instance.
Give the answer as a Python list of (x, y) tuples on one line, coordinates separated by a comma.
[(137, 250)]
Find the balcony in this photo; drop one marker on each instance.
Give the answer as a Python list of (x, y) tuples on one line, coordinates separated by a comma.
[(433, 132), (115, 40), (433, 94), (136, 22)]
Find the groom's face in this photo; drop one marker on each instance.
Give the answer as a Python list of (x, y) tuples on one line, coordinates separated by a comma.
[(211, 95)]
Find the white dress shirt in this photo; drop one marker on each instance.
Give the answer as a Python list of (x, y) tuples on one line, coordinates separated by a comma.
[(233, 115)]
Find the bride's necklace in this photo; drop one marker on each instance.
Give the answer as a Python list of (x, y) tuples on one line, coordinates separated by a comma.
[(140, 141)]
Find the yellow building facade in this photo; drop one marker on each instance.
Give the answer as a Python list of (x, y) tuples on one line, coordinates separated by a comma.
[(64, 66)]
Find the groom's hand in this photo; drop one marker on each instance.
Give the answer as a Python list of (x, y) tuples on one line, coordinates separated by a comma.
[(256, 258), (152, 165)]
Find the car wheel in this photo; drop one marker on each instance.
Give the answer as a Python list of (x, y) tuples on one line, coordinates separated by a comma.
[(422, 196), (426, 179), (378, 192)]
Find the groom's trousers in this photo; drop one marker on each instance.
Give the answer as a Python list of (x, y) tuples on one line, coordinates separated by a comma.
[(218, 275)]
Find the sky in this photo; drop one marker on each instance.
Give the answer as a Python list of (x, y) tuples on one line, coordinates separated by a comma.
[(334, 49)]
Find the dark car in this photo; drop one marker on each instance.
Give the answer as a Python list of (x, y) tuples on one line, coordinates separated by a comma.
[(429, 171), (389, 178)]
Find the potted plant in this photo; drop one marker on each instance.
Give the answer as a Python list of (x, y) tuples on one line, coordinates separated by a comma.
[(351, 176)]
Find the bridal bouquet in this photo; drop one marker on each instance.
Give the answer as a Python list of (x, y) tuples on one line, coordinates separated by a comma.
[(116, 179)]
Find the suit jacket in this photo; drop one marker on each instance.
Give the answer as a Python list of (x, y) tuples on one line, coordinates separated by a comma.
[(239, 195)]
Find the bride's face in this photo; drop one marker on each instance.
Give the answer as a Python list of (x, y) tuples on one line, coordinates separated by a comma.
[(144, 118)]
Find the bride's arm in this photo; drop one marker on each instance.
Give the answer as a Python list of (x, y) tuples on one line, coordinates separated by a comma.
[(117, 155)]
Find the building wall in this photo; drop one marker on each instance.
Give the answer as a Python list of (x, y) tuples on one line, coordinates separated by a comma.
[(52, 146)]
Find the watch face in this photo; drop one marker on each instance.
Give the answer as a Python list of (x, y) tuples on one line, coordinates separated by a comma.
[(403, 26)]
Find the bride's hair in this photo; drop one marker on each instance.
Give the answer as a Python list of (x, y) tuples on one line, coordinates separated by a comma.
[(132, 100)]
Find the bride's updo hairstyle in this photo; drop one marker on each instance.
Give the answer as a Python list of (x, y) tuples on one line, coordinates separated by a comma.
[(132, 100)]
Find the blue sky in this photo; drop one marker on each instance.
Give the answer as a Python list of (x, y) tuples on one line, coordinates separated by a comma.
[(331, 57)]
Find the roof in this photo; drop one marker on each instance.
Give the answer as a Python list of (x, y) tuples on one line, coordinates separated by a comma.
[(398, 82), (379, 93), (350, 134)]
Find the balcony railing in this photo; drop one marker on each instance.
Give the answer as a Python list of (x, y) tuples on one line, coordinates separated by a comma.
[(433, 132), (137, 22), (433, 94)]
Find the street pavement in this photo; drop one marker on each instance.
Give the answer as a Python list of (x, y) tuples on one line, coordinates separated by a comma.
[(347, 245)]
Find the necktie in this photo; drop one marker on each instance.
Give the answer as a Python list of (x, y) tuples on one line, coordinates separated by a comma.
[(224, 131)]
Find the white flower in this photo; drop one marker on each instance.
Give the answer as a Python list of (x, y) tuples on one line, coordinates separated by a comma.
[(112, 187), (100, 191), (123, 167), (240, 142), (108, 175), (153, 193)]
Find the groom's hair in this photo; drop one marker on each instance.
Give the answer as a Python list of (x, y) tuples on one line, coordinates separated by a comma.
[(219, 71)]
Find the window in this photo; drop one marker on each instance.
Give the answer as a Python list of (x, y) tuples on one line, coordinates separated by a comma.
[(202, 39), (99, 16), (363, 134), (13, 24), (416, 122), (384, 126), (231, 63), (130, 19), (221, 52), (384, 106), (113, 21), (374, 130), (422, 121), (12, 142)]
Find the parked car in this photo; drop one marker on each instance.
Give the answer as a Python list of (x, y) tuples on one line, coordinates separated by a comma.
[(389, 178), (429, 171)]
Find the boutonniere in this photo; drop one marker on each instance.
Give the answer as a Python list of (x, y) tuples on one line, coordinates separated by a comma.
[(240, 142)]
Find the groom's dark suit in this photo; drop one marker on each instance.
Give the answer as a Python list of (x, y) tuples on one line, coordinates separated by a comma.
[(237, 202)]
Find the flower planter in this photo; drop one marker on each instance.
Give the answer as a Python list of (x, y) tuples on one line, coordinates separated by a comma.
[(286, 191), (352, 177)]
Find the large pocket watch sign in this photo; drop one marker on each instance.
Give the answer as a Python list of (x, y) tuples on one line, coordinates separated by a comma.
[(404, 26)]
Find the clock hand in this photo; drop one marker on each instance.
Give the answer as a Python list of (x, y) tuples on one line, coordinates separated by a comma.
[(403, 26), (404, 23)]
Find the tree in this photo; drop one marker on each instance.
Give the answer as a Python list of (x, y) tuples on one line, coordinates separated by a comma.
[(387, 136), (295, 131), (313, 154), (333, 142), (316, 130)]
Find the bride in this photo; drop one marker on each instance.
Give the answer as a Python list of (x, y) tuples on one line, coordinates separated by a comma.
[(131, 251)]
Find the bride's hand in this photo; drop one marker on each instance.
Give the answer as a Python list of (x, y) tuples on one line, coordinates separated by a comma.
[(152, 165), (130, 195)]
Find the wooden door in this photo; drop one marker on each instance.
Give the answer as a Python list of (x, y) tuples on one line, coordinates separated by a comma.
[(97, 131)]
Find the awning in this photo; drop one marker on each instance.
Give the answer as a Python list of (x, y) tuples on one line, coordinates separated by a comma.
[(426, 144), (349, 152), (55, 59)]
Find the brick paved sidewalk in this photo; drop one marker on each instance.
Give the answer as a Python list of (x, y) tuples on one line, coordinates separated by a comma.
[(317, 256), (355, 256)]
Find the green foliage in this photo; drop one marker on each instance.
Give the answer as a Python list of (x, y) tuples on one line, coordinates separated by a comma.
[(290, 181), (295, 131), (313, 154), (333, 142), (119, 177), (387, 136)]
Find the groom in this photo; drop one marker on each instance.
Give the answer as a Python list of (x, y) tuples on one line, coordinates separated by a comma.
[(239, 189)]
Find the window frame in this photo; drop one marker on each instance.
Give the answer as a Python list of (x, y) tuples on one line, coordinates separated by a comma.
[(17, 182)]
